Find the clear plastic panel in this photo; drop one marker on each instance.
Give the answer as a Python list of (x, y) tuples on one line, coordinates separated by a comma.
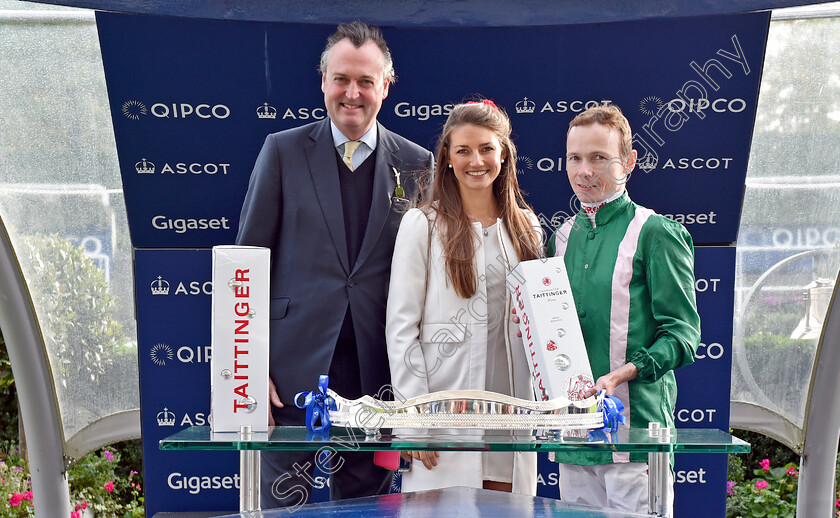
[(61, 201), (788, 252)]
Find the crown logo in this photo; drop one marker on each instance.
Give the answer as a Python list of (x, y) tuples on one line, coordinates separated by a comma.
[(648, 162), (166, 418), (145, 167), (160, 286), (160, 353), (525, 106), (266, 111)]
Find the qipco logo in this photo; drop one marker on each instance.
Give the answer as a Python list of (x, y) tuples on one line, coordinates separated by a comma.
[(186, 110)]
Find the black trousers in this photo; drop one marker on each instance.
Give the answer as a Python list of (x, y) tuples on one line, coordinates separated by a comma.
[(287, 476)]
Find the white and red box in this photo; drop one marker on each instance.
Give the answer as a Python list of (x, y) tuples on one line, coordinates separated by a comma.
[(550, 329), (239, 339)]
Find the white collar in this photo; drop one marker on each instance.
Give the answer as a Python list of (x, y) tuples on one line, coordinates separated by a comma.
[(368, 138)]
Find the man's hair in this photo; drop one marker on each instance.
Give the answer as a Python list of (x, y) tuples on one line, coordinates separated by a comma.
[(360, 33), (608, 115)]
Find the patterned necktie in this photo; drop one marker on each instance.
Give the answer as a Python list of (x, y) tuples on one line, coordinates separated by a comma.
[(349, 148)]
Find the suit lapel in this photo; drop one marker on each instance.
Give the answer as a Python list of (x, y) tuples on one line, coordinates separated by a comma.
[(320, 153), (384, 184)]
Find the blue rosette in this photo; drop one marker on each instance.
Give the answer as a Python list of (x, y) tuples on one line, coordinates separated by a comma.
[(318, 405), (611, 408)]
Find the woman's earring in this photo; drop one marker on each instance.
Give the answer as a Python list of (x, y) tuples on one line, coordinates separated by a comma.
[(450, 166)]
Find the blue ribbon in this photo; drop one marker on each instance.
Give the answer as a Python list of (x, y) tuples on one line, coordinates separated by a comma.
[(611, 408), (597, 435), (318, 405)]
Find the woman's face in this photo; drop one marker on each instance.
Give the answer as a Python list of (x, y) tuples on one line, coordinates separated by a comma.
[(475, 155)]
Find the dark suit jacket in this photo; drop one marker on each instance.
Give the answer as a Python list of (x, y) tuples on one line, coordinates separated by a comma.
[(293, 206)]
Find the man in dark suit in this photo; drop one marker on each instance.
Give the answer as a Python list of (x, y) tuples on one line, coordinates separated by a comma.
[(327, 198)]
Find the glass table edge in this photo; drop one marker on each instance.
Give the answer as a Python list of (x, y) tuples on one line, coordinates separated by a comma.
[(198, 438)]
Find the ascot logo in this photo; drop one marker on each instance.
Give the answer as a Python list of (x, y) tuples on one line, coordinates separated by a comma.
[(134, 109), (575, 106), (303, 113), (166, 418), (160, 353), (525, 106), (160, 286), (710, 163), (144, 167), (266, 111)]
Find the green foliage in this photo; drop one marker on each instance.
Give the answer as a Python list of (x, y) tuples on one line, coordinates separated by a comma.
[(769, 490), (8, 399), (761, 447), (75, 309), (15, 485), (76, 315), (95, 484)]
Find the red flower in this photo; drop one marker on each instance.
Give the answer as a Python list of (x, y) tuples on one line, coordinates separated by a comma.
[(27, 495), (761, 484), (109, 486), (765, 464), (15, 499), (791, 470), (75, 514), (84, 505)]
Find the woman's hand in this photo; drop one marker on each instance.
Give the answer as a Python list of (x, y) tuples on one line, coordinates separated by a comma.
[(428, 458)]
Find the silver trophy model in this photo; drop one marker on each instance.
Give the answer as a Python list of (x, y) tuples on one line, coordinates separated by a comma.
[(474, 409)]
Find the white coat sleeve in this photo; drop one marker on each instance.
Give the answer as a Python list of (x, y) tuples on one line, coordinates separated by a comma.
[(406, 296)]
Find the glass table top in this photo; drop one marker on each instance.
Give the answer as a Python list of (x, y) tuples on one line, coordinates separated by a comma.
[(294, 438)]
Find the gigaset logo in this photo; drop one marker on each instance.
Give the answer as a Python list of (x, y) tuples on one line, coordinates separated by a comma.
[(422, 112), (195, 484), (183, 225)]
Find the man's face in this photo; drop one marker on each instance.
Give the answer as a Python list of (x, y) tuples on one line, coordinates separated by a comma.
[(594, 163), (354, 86)]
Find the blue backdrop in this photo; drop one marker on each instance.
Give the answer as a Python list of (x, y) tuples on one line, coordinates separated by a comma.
[(192, 101)]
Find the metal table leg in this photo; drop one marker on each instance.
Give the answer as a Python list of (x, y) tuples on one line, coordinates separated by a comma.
[(660, 490), (249, 475)]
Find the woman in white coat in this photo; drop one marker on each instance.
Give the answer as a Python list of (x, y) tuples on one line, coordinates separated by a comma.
[(448, 322)]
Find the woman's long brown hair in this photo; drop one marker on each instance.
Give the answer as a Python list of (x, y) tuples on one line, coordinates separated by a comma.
[(444, 197)]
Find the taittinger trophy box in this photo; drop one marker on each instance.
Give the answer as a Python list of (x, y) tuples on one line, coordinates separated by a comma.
[(240, 318), (550, 329)]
